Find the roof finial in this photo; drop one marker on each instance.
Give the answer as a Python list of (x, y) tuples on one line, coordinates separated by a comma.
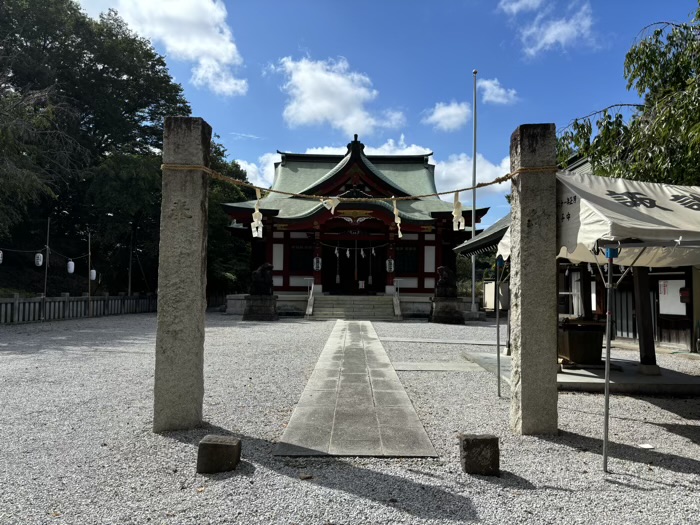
[(355, 146)]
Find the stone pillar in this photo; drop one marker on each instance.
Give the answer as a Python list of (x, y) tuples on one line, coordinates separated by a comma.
[(533, 280), (179, 376)]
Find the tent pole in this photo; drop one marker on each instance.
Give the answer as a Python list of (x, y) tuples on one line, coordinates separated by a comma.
[(498, 323), (610, 254)]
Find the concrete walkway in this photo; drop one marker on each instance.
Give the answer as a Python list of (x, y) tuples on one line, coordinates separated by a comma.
[(354, 403)]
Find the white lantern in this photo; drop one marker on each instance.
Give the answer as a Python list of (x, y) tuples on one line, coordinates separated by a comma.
[(71, 266), (0, 256), (317, 264), (39, 259), (390, 266), (93, 275)]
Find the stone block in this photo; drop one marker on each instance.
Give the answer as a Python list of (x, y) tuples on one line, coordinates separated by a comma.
[(218, 454), (446, 310), (478, 454), (260, 308)]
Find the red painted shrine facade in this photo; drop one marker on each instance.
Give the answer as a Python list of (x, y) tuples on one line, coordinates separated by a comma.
[(355, 248)]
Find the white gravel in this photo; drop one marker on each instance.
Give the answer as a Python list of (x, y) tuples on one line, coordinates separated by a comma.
[(77, 446)]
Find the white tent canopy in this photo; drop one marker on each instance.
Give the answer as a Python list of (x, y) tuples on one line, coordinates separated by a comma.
[(659, 220), (595, 212)]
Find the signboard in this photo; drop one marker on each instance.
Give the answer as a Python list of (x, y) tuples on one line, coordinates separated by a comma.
[(670, 297)]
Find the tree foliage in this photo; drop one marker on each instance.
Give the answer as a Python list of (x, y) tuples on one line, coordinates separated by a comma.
[(659, 141), (82, 105)]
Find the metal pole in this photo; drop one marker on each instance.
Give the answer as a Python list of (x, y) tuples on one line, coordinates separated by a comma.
[(46, 268), (131, 256), (474, 201), (610, 253), (498, 327), (89, 309)]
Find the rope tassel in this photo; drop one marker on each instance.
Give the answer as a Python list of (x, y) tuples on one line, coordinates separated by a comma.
[(458, 221)]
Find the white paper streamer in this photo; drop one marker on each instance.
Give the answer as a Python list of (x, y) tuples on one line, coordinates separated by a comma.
[(458, 220)]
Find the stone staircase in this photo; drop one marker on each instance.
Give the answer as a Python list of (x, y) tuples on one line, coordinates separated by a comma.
[(356, 307)]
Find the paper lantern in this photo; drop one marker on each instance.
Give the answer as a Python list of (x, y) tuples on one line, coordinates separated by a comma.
[(390, 266), (93, 275), (39, 259), (0, 256), (71, 266)]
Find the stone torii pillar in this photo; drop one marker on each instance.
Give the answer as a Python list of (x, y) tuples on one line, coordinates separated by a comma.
[(533, 280), (182, 276)]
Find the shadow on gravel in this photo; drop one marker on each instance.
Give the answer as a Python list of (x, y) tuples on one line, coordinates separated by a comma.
[(691, 432), (685, 407), (672, 462), (417, 499)]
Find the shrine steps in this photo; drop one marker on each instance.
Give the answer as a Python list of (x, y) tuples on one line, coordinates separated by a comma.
[(354, 307)]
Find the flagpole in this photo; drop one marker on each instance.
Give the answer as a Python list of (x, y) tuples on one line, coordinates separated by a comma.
[(474, 201)]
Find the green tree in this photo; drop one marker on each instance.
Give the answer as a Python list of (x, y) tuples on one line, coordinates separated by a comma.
[(82, 104), (228, 257), (659, 141)]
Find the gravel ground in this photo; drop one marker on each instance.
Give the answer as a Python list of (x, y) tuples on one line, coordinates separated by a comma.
[(75, 425)]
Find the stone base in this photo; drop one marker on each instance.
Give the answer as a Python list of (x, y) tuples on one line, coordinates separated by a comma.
[(260, 308), (478, 454), (218, 454), (447, 310), (649, 370)]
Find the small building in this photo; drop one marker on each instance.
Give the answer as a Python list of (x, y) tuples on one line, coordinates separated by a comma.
[(356, 247)]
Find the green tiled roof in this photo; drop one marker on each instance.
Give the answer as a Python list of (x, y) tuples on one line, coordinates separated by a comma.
[(302, 173)]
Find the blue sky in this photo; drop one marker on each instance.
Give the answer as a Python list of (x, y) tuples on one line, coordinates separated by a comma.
[(305, 75)]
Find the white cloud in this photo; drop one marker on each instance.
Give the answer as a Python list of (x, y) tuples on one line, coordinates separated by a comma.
[(390, 147), (456, 172), (328, 92), (263, 173), (190, 30), (545, 33), (448, 117), (513, 7), (493, 92)]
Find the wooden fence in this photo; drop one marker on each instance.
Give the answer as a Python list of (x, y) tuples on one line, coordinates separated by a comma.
[(34, 309)]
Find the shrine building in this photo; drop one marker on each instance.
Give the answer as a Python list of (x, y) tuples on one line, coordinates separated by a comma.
[(356, 248)]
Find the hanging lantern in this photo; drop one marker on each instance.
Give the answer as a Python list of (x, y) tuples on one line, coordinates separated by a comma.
[(347, 252), (39, 259), (0, 256), (317, 264), (70, 266), (93, 275)]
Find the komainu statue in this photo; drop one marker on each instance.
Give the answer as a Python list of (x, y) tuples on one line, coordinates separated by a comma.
[(262, 280), (446, 285)]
